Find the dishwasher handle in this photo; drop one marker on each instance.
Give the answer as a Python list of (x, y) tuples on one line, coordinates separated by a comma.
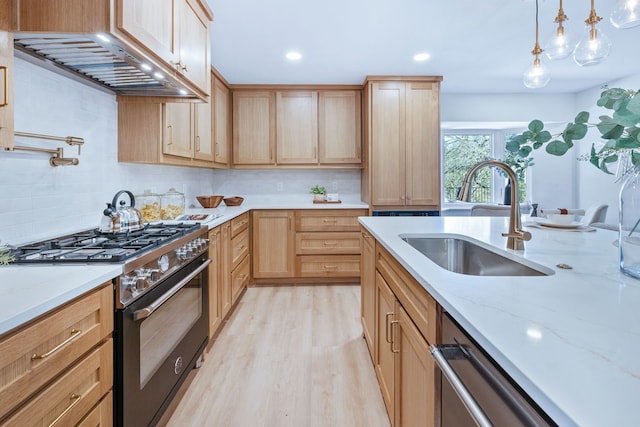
[(467, 399)]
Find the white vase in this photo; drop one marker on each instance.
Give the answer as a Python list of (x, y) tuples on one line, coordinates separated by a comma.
[(629, 238), (318, 197)]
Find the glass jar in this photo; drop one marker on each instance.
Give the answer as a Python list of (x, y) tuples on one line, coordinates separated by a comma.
[(148, 204), (629, 239), (171, 204)]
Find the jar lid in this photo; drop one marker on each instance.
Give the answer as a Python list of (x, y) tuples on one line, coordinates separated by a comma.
[(173, 191), (149, 193)]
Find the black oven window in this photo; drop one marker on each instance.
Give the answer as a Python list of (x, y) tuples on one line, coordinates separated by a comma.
[(161, 332)]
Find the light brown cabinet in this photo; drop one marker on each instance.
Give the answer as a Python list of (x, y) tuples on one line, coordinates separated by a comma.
[(273, 244), (224, 285), (215, 281), (187, 131), (405, 325), (175, 30), (240, 265), (61, 365), (254, 131), (339, 118), (368, 288), (221, 122), (328, 243), (6, 82), (296, 128), (402, 127)]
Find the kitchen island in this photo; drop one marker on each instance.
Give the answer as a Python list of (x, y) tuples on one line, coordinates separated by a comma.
[(570, 339)]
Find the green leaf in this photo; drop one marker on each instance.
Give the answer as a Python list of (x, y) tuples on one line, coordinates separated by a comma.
[(626, 143), (536, 126), (603, 168), (593, 159), (557, 147), (609, 129), (544, 136), (635, 157), (524, 151), (582, 117), (528, 135), (575, 131), (611, 159), (634, 105), (625, 117), (537, 145)]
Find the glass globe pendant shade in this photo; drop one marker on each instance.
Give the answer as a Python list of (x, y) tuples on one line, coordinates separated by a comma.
[(592, 49), (560, 45), (536, 76), (626, 14)]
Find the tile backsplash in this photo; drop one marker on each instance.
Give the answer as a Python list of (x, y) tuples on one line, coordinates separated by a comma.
[(39, 201)]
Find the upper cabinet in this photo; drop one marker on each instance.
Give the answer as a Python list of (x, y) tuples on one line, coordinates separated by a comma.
[(254, 131), (402, 128), (297, 127), (6, 84), (274, 127), (339, 140), (221, 122), (170, 36), (181, 133), (175, 30)]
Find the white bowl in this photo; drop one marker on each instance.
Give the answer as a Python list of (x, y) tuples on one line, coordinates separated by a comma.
[(561, 219)]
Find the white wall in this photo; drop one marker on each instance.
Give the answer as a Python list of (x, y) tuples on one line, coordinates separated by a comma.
[(596, 187), (39, 201)]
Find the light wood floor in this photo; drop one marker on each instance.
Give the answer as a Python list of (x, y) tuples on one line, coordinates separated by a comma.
[(289, 356)]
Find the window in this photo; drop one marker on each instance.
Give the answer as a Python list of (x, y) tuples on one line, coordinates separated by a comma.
[(464, 148)]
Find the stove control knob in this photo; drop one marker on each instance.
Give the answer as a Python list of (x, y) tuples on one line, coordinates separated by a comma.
[(154, 274), (188, 252), (141, 283), (181, 253)]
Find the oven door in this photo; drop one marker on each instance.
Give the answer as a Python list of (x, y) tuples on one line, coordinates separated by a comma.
[(159, 338)]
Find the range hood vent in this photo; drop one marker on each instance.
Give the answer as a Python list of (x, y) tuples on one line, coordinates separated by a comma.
[(107, 66)]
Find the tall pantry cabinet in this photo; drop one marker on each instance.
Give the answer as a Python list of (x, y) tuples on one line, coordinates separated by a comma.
[(402, 143)]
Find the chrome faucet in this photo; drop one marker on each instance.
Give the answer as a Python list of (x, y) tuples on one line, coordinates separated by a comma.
[(515, 236)]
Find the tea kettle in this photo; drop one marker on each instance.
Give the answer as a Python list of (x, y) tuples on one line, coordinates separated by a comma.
[(120, 218)]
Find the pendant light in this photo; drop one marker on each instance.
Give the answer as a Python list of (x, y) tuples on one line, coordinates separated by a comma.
[(561, 44), (537, 75), (626, 14), (594, 47)]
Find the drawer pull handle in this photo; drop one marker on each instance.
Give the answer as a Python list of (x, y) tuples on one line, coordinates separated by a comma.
[(74, 333), (75, 398), (325, 243), (330, 221), (393, 336), (386, 327), (330, 267)]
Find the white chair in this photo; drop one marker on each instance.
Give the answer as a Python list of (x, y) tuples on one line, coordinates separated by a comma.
[(490, 210), (595, 213)]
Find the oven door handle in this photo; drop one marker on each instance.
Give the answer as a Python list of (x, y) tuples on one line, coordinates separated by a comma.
[(467, 399), (148, 310)]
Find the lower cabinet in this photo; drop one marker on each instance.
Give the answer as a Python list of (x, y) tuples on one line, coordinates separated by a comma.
[(404, 326), (215, 307), (59, 368), (240, 265), (273, 244), (368, 287)]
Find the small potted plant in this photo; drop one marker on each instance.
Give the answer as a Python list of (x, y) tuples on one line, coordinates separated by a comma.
[(319, 193)]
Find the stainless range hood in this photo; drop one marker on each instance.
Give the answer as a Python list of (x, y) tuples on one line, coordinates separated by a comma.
[(98, 60)]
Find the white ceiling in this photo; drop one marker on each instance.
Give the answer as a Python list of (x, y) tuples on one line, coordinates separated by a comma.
[(478, 46)]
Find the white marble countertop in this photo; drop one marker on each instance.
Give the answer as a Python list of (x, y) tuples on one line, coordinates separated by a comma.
[(27, 292), (570, 340)]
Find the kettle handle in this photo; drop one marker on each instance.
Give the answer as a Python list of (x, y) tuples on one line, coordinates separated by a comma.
[(119, 193)]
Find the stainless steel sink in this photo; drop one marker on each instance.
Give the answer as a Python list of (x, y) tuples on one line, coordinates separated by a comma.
[(465, 257)]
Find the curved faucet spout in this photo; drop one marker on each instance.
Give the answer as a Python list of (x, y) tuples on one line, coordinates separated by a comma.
[(515, 236)]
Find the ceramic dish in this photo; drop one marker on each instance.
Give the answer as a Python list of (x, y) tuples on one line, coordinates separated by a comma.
[(548, 223)]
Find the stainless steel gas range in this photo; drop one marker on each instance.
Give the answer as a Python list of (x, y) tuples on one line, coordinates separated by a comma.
[(161, 307)]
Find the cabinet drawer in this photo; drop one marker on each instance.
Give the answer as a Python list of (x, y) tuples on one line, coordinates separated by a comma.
[(34, 355), (328, 266), (101, 415), (239, 224), (70, 397), (240, 278), (420, 306), (329, 220), (328, 243), (239, 247)]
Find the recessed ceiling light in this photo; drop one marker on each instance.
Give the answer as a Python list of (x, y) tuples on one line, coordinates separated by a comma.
[(293, 56), (145, 67), (421, 56), (103, 38), (158, 75), (183, 92)]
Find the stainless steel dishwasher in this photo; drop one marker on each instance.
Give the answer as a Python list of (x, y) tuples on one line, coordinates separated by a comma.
[(475, 391)]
